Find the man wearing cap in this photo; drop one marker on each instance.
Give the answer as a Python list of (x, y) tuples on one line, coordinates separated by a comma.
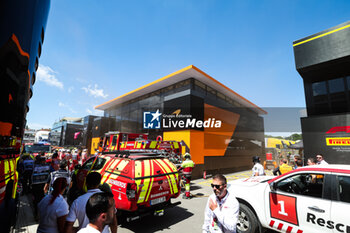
[(258, 169)]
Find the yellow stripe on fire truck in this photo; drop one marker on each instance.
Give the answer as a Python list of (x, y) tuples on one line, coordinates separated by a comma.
[(138, 169), (146, 181), (174, 177), (175, 145), (10, 174), (165, 171), (153, 144), (150, 180), (105, 175), (14, 191), (115, 172), (171, 177), (139, 144)]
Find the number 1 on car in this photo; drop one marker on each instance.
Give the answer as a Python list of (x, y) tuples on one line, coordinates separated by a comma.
[(282, 211)]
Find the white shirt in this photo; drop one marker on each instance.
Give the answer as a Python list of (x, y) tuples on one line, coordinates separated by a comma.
[(89, 229), (323, 162), (258, 168), (77, 210), (48, 214), (226, 214)]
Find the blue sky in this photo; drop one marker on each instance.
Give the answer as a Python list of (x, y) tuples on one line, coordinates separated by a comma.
[(97, 50)]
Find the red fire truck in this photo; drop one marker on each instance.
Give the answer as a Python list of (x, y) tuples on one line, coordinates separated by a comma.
[(38, 148), (133, 142), (141, 173)]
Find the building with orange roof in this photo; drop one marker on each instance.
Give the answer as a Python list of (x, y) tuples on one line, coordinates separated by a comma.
[(221, 129)]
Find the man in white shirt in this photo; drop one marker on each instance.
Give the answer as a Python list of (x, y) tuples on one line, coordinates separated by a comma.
[(77, 209), (100, 210), (221, 212), (320, 160), (258, 169)]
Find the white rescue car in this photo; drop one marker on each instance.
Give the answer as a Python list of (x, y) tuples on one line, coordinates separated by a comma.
[(313, 199)]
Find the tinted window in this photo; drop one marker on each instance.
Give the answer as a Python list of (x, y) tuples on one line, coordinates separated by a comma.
[(37, 148), (200, 87), (303, 184), (336, 85), (88, 164), (319, 88), (99, 164), (344, 188), (114, 142), (348, 81)]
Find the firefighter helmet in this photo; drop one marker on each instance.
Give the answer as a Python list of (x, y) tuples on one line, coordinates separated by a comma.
[(187, 155)]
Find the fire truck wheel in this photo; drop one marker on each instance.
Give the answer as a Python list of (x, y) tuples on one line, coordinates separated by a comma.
[(247, 221)]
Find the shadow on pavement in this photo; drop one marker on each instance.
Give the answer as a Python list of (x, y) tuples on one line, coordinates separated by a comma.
[(193, 187), (198, 195), (25, 215), (155, 223)]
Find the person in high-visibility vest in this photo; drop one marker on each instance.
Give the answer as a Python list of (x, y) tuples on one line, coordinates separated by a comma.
[(187, 166), (283, 168)]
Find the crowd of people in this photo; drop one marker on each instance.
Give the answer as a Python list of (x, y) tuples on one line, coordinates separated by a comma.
[(99, 214), (284, 167), (47, 179), (58, 210), (33, 171)]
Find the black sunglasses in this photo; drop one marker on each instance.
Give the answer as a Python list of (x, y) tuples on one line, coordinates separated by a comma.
[(217, 186)]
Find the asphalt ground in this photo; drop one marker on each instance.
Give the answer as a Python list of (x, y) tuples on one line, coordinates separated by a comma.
[(186, 217)]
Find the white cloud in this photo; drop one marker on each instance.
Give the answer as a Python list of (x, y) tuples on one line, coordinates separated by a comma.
[(70, 89), (93, 111), (60, 104), (72, 110), (63, 105), (81, 80), (48, 76), (94, 91)]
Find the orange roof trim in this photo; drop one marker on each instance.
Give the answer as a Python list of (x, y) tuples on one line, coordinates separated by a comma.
[(179, 72), (147, 85)]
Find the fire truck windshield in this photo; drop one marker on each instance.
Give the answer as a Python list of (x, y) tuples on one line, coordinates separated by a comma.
[(37, 148)]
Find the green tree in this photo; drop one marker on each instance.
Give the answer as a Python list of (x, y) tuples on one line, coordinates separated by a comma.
[(295, 137)]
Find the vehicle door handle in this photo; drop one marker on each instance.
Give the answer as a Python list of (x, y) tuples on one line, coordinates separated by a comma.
[(315, 208)]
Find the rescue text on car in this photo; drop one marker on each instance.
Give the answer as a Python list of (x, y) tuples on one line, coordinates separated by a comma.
[(310, 199)]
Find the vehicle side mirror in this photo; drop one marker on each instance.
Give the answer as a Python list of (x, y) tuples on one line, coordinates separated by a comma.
[(273, 186)]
